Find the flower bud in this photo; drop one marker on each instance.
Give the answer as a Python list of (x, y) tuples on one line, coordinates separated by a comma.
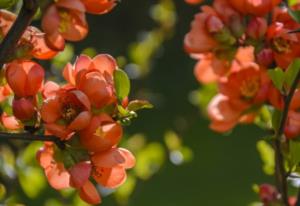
[(23, 108), (265, 57), (257, 28), (268, 194), (214, 24)]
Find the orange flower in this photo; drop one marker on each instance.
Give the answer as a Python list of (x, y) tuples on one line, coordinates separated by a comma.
[(60, 177), (65, 110), (25, 78), (65, 19), (210, 68), (32, 42), (199, 39), (101, 134), (254, 7), (10, 122), (94, 77), (246, 86), (109, 167), (99, 6), (193, 2), (223, 115)]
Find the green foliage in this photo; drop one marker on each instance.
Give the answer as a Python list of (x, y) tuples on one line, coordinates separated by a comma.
[(149, 160), (2, 191), (292, 71), (294, 148), (122, 84), (63, 57), (276, 116), (267, 156), (123, 193), (277, 77), (292, 2), (139, 104), (295, 14), (31, 177), (4, 4)]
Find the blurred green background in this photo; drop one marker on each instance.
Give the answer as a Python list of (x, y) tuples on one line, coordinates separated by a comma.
[(180, 161)]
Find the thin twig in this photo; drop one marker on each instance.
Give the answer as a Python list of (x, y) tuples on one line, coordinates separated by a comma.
[(23, 20), (280, 170), (32, 137)]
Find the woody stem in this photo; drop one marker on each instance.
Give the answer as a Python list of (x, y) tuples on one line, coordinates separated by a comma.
[(32, 137), (279, 139), (23, 20)]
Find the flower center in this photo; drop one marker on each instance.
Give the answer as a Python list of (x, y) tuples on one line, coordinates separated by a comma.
[(69, 112), (281, 45), (249, 88), (65, 20)]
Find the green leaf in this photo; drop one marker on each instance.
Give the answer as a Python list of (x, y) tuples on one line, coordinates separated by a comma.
[(277, 77), (292, 2), (4, 4), (295, 14), (292, 72), (32, 181), (276, 116), (149, 160), (139, 104), (267, 155), (294, 147), (122, 84)]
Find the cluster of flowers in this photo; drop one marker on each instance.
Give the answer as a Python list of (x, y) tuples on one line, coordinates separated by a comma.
[(235, 43), (239, 45), (83, 113)]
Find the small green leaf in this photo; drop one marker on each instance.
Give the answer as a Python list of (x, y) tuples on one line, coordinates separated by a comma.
[(292, 72), (292, 2), (277, 77), (276, 116), (122, 84), (295, 151), (139, 104), (267, 156), (295, 14)]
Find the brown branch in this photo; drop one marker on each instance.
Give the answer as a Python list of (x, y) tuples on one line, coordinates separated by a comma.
[(23, 20), (279, 159), (32, 137)]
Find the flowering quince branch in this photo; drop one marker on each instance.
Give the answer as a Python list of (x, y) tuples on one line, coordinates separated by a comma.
[(279, 138), (23, 20), (82, 119), (237, 44), (32, 137)]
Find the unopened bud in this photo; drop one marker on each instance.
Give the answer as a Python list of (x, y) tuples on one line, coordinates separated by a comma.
[(214, 24), (257, 28), (23, 108), (265, 57)]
